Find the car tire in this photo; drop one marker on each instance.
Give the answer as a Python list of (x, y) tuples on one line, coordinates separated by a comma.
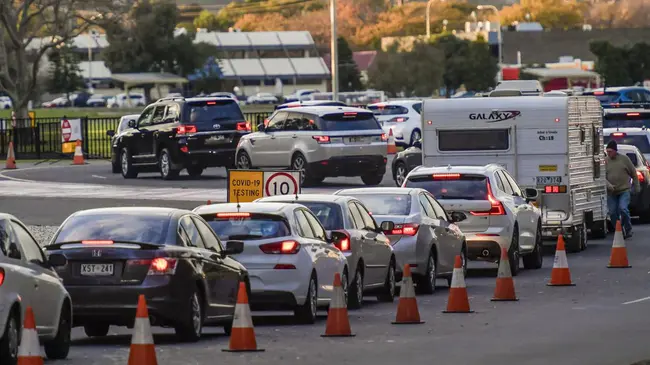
[(513, 252), (165, 164), (372, 179), (195, 171), (400, 173), (59, 347), (243, 161), (535, 259), (575, 243), (116, 168), (426, 284), (355, 299), (387, 293), (10, 339), (128, 170), (96, 330), (299, 163), (415, 136), (190, 328), (306, 313), (346, 286)]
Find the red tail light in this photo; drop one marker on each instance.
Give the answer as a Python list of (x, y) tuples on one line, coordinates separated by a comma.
[(446, 176), (405, 229), (186, 129), (633, 114), (281, 248), (233, 215), (496, 206), (618, 134), (399, 119), (321, 139), (639, 174), (97, 242), (2, 276), (266, 122), (384, 137), (244, 127), (344, 243), (162, 266), (349, 114), (555, 189)]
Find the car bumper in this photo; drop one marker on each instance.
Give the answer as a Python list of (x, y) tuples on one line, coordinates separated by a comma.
[(405, 249), (399, 133), (277, 289), (486, 246), (350, 166), (208, 158)]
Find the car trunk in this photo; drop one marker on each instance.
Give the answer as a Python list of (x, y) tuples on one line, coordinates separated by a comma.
[(396, 219), (214, 124), (473, 223)]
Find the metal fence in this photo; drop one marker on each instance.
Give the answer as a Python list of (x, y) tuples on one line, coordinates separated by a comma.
[(43, 140)]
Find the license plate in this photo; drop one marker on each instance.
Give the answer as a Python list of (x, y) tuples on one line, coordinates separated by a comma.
[(215, 139), (548, 180), (357, 139), (96, 269)]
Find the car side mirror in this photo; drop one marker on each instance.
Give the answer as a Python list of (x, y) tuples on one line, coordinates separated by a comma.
[(387, 226), (56, 260), (418, 144), (131, 123), (457, 217), (261, 127), (335, 236), (110, 133), (233, 248), (531, 194)]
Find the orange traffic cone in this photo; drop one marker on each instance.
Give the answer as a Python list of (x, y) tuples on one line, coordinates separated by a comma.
[(209, 202), (407, 308), (338, 323), (78, 158), (458, 301), (242, 338), (505, 289), (29, 352), (392, 148), (560, 275), (618, 257), (143, 351), (11, 158)]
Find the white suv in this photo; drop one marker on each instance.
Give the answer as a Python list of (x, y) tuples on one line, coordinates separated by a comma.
[(403, 117), (499, 214), (639, 137)]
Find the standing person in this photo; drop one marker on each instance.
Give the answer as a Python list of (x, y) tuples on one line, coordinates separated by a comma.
[(619, 171)]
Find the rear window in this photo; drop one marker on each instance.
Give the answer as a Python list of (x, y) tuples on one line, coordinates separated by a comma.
[(627, 120), (349, 122), (633, 157), (605, 98), (329, 214), (253, 227), (117, 227), (640, 141), (386, 204), (466, 187), (212, 111), (388, 109), (474, 140)]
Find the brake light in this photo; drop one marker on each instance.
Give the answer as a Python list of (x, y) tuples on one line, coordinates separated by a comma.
[(349, 114), (618, 134), (555, 189), (399, 119), (266, 122), (233, 215), (211, 103), (599, 93), (186, 129), (384, 137), (639, 175), (344, 243), (633, 114), (162, 266), (321, 139), (405, 229), (244, 126), (281, 248), (97, 242), (496, 207), (446, 176), (2, 276)]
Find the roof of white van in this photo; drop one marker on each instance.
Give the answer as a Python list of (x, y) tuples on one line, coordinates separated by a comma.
[(467, 105)]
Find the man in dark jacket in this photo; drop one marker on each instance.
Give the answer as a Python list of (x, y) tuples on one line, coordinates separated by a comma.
[(620, 170)]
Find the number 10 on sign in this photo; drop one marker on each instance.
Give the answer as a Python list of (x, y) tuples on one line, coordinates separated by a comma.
[(281, 183)]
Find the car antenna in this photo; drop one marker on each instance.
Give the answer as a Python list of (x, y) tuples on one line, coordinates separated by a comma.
[(238, 205)]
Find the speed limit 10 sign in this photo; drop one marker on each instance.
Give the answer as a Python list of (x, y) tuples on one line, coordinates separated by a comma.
[(281, 183)]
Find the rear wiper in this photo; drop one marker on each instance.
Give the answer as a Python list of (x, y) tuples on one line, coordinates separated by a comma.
[(57, 245), (244, 236)]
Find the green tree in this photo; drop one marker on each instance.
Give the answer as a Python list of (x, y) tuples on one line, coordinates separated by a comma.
[(482, 67), (612, 63), (65, 74), (349, 75), (210, 21), (386, 72), (455, 60)]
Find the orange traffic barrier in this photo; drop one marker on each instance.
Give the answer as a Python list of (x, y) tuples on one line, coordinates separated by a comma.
[(338, 323), (407, 308), (29, 351), (618, 257), (78, 158), (142, 351), (11, 158), (458, 301), (560, 275), (505, 289), (242, 338), (392, 148)]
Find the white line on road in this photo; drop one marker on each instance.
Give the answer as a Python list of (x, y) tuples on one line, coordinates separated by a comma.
[(637, 301), (98, 177)]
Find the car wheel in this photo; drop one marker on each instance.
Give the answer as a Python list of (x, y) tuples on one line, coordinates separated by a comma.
[(427, 283), (10, 340), (189, 330), (243, 161), (307, 312), (116, 168), (128, 170), (387, 293), (372, 179), (165, 164), (355, 300), (513, 252), (415, 136), (96, 330), (195, 171), (574, 244), (299, 163), (346, 286), (583, 237), (400, 173), (59, 347), (535, 259)]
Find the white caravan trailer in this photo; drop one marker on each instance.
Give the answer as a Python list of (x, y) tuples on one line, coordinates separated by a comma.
[(552, 143)]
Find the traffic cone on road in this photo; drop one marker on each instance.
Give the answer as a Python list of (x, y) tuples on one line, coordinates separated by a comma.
[(392, 148), (505, 289), (11, 158), (560, 275), (618, 257), (338, 323), (242, 337), (458, 301), (143, 351), (78, 158), (407, 308), (29, 352)]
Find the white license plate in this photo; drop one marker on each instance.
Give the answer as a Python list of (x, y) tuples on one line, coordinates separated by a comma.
[(357, 139), (548, 180), (96, 269)]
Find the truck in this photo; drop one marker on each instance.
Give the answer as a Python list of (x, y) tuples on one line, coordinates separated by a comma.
[(551, 142)]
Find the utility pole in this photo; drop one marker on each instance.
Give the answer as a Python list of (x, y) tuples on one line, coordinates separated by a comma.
[(335, 53)]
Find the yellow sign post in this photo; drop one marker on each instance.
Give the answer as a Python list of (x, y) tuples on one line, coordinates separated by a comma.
[(32, 118), (244, 186)]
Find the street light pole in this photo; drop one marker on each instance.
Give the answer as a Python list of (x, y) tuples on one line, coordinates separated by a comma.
[(429, 16), (335, 53), (499, 39)]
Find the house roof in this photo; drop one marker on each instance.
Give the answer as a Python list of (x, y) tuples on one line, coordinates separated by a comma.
[(148, 78), (243, 41), (265, 68), (363, 59)]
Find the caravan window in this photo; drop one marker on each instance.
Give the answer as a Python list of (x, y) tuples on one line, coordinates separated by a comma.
[(474, 140)]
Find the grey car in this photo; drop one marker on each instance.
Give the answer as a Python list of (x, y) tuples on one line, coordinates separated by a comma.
[(424, 236), (367, 250)]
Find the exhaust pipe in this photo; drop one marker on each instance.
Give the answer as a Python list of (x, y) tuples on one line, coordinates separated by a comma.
[(485, 253)]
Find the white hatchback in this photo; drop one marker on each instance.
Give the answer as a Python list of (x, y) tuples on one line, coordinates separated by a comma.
[(403, 117)]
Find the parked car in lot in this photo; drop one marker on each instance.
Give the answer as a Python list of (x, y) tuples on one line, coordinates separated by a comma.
[(287, 252), (5, 102), (403, 117), (170, 255), (498, 213), (175, 133), (612, 96), (368, 251), (133, 100), (121, 127), (320, 142), (423, 236), (28, 278), (262, 98), (639, 203)]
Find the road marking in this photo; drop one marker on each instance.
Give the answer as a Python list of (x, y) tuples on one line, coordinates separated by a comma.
[(637, 301), (98, 177)]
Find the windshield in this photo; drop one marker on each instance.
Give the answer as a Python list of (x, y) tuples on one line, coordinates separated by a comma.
[(129, 227), (386, 204), (329, 214), (254, 227), (640, 141), (207, 113), (464, 188), (629, 120), (349, 122)]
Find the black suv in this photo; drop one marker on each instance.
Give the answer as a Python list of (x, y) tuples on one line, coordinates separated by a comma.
[(173, 134)]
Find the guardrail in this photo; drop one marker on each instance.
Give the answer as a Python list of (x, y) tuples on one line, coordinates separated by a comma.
[(43, 140)]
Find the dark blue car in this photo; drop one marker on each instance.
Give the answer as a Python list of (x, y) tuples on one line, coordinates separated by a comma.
[(611, 96)]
